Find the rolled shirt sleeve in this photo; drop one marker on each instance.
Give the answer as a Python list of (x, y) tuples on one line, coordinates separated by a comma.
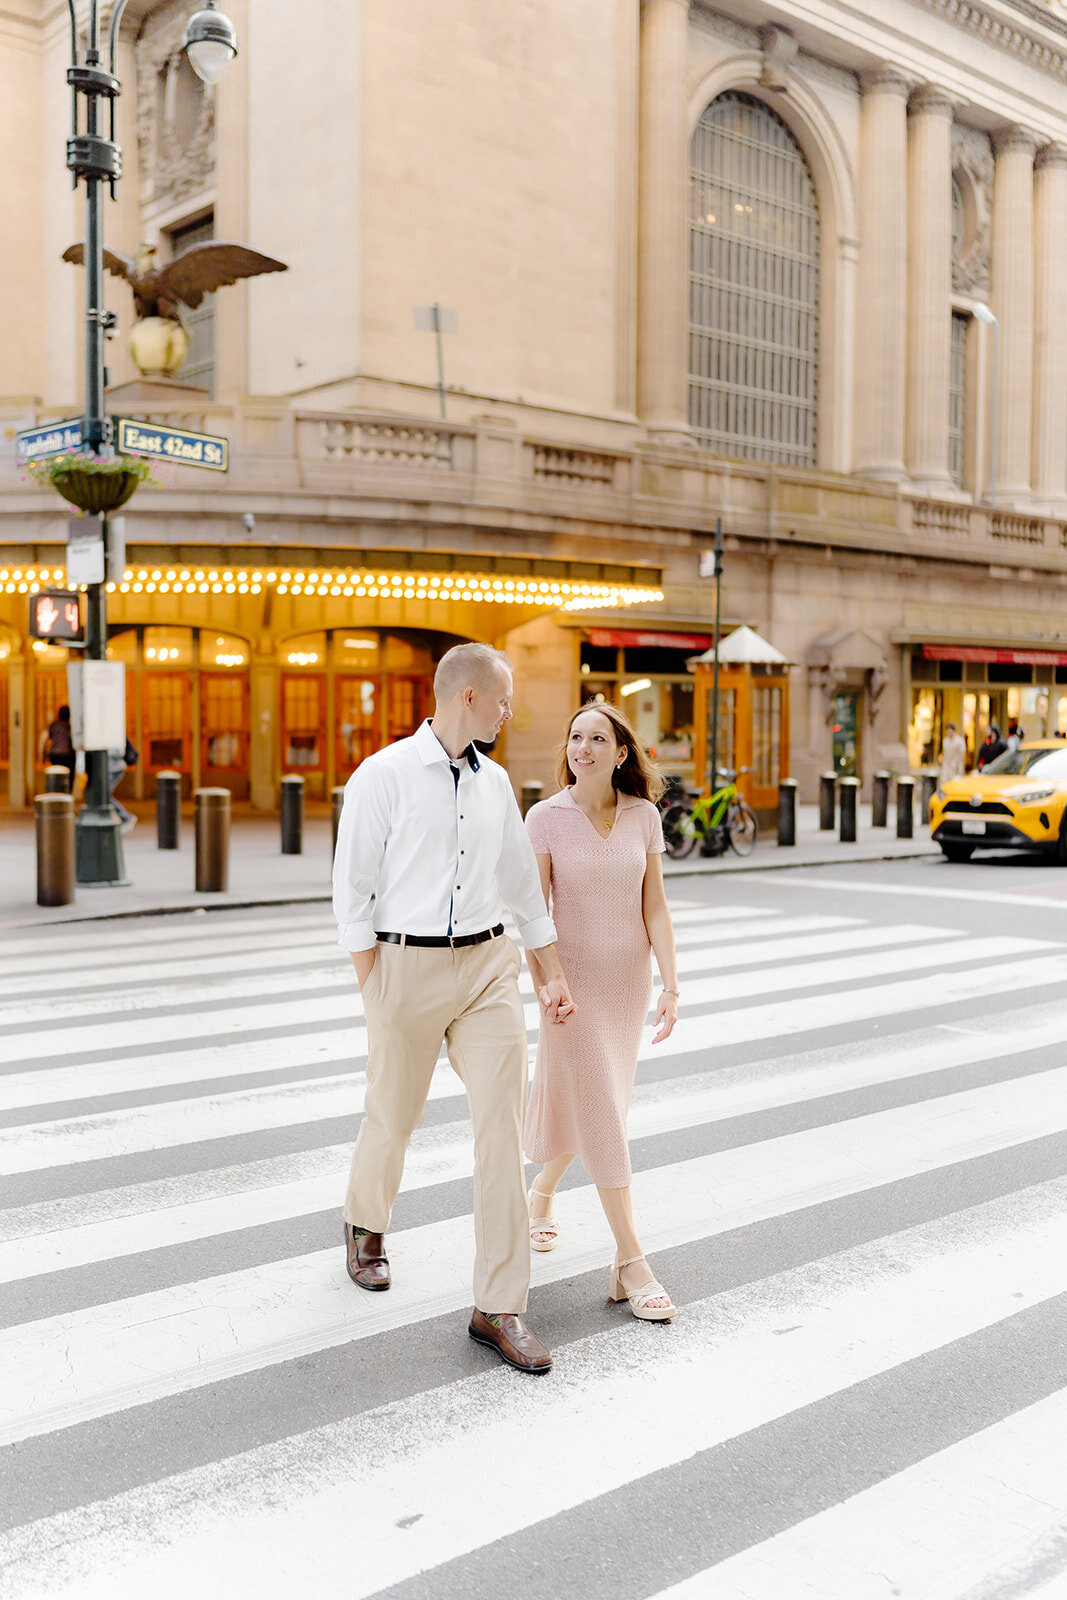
[(520, 882), (361, 839)]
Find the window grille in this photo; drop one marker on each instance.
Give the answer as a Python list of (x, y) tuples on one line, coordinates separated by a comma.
[(957, 395), (199, 368), (753, 286)]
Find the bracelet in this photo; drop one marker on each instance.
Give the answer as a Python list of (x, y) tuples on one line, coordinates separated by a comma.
[(670, 991)]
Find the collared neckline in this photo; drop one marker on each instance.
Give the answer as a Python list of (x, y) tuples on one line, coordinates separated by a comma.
[(431, 749)]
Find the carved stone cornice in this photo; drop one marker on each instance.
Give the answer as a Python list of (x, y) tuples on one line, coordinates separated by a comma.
[(984, 23)]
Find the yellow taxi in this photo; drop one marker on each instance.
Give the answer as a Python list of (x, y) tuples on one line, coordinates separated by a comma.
[(1017, 802)]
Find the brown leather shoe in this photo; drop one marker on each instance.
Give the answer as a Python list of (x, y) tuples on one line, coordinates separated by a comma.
[(368, 1264), (512, 1341)]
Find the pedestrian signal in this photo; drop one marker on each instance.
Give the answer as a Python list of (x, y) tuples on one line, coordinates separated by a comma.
[(56, 614)]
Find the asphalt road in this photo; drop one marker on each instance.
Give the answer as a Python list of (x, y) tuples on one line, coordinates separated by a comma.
[(850, 1170)]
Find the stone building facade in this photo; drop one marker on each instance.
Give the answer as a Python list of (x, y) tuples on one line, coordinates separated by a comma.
[(797, 267)]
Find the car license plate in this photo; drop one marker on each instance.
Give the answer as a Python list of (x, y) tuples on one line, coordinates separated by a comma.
[(970, 826)]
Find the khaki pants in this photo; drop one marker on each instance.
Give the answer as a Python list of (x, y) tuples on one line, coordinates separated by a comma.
[(414, 999)]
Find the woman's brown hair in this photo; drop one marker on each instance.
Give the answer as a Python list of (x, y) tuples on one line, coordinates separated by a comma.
[(638, 774)]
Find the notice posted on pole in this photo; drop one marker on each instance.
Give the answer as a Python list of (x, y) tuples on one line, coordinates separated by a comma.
[(179, 445)]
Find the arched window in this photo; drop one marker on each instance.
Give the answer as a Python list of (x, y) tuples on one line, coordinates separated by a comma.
[(753, 286)]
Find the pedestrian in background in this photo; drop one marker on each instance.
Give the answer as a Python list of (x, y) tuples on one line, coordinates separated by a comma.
[(57, 745), (430, 847), (1016, 735), (953, 754), (117, 763), (599, 845), (992, 747)]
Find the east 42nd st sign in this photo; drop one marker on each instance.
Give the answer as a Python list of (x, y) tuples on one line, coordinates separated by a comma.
[(173, 444)]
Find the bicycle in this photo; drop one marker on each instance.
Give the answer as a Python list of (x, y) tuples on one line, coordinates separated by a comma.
[(719, 821)]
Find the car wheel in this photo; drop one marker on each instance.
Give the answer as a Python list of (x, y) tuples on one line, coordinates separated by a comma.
[(962, 852), (1061, 844)]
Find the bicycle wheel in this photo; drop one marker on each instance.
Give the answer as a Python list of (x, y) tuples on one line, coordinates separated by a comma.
[(677, 835), (743, 830)]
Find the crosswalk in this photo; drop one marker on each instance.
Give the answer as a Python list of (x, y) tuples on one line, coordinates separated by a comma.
[(850, 1170)]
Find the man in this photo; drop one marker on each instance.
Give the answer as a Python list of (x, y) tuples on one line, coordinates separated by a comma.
[(429, 847), (953, 754), (992, 747)]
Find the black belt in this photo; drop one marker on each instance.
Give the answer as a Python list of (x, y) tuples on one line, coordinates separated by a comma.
[(432, 942)]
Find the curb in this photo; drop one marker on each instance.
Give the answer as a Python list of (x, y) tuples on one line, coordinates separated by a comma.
[(696, 870)]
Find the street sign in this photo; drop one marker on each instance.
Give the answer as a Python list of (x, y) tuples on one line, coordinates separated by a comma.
[(35, 443), (173, 444), (85, 550), (96, 691), (55, 614)]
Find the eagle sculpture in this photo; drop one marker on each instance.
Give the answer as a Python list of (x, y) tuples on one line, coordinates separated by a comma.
[(200, 270)]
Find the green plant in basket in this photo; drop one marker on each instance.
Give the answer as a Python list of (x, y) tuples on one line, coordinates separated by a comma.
[(93, 483)]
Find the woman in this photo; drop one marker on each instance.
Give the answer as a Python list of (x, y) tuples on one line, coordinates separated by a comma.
[(57, 744), (599, 846)]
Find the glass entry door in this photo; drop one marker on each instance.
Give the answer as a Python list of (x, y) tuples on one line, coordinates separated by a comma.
[(357, 718), (166, 707), (224, 731), (846, 726)]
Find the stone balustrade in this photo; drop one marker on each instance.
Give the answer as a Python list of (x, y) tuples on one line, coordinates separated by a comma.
[(366, 458)]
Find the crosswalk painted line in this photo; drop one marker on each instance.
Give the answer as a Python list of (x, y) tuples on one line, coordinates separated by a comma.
[(221, 1035), (410, 1466), (80, 1364), (991, 1504)]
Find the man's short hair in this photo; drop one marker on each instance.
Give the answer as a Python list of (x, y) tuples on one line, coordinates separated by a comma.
[(468, 666)]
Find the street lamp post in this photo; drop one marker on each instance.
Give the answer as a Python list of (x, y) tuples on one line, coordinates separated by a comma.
[(95, 159), (984, 314)]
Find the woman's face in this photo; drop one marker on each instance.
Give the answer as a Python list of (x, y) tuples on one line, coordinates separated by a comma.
[(591, 745)]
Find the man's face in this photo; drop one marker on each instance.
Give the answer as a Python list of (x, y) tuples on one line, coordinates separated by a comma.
[(491, 708)]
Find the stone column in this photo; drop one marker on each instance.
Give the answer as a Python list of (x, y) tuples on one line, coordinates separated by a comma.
[(881, 277), (1012, 285), (662, 231), (929, 280), (1049, 457)]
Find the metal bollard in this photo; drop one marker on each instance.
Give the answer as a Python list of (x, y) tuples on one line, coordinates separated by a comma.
[(905, 817), (54, 817), (212, 827), (168, 810), (57, 780), (929, 784), (337, 800), (292, 815), (827, 799), (880, 800), (850, 788), (531, 793), (787, 811)]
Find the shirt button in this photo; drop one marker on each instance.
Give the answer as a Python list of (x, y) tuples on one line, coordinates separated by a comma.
[(458, 887)]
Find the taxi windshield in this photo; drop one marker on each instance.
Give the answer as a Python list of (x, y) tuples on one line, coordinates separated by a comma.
[(1013, 762)]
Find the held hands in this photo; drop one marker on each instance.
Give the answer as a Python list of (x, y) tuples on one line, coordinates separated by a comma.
[(666, 1016), (556, 1001)]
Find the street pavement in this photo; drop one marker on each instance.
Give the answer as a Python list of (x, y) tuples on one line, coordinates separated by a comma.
[(163, 880), (850, 1170)]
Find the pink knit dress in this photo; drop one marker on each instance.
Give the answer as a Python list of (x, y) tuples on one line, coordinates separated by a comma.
[(585, 1069)]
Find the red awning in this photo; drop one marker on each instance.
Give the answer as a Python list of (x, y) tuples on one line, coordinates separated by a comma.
[(1010, 658), (633, 640)]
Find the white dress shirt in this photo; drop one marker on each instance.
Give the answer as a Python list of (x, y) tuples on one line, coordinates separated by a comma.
[(420, 853)]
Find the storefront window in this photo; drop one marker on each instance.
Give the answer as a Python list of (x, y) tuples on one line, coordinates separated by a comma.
[(305, 650), (766, 735), (222, 650), (122, 646), (168, 647)]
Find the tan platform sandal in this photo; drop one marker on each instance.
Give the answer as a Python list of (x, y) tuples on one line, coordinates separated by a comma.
[(641, 1301), (546, 1225)]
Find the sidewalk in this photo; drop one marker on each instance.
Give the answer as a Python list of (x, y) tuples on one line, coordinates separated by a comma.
[(162, 880)]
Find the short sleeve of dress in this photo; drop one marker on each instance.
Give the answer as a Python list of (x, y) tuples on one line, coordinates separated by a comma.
[(537, 828), (655, 845)]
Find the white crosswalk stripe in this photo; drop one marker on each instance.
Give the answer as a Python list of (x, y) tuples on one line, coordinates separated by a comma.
[(176, 1120)]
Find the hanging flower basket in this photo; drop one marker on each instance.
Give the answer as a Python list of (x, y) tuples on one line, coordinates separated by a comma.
[(92, 483)]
